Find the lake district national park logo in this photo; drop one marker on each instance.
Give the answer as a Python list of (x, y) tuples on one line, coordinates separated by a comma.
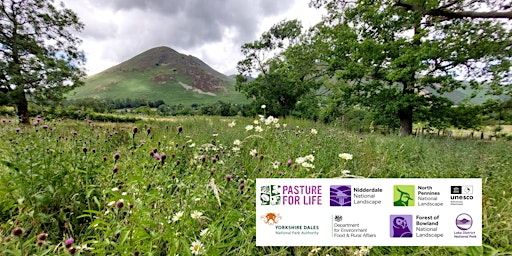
[(270, 195), (403, 195)]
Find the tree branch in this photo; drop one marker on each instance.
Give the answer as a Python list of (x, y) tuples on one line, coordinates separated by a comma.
[(441, 12)]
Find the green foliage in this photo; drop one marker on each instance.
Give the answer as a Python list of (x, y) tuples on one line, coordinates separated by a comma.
[(39, 57), (394, 56), (283, 78), (62, 180)]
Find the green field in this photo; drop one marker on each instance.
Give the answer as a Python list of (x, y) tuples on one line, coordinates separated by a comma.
[(101, 184)]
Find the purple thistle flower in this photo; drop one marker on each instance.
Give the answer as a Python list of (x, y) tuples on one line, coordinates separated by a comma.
[(157, 156), (44, 126), (74, 132), (229, 176), (69, 242), (17, 129)]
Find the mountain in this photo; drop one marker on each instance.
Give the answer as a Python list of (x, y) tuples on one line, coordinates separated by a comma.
[(164, 74)]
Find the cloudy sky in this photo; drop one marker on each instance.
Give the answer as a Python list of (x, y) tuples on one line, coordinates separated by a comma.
[(212, 30)]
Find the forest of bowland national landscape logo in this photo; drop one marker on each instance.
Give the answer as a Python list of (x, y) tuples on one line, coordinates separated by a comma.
[(291, 195)]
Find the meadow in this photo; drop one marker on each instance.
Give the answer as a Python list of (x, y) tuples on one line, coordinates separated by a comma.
[(187, 185)]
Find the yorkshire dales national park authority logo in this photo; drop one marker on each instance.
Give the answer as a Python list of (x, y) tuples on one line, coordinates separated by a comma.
[(271, 218), (270, 195)]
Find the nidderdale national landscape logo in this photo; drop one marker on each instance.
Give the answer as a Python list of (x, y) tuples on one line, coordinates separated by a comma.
[(341, 195), (270, 195), (402, 195)]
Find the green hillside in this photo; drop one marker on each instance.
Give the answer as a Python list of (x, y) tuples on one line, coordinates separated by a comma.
[(161, 74)]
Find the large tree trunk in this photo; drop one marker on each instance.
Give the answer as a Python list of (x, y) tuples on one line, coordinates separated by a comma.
[(405, 116), (22, 106)]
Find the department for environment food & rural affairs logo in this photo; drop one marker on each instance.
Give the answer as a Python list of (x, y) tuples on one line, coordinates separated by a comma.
[(402, 195), (400, 225), (271, 218), (270, 195), (340, 195)]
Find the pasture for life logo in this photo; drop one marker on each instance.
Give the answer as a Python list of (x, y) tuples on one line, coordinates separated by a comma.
[(291, 195), (270, 195), (402, 195)]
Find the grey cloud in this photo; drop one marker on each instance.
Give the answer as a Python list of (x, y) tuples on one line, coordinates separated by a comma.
[(194, 22)]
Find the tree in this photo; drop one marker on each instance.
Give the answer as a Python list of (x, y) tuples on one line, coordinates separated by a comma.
[(388, 53), (39, 58), (283, 65)]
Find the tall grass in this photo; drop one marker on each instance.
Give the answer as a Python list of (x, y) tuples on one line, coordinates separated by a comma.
[(188, 185)]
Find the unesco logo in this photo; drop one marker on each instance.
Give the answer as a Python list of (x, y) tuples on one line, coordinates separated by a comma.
[(461, 192)]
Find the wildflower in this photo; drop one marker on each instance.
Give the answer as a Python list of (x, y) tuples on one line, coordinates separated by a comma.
[(258, 129), (346, 156), (280, 173), (315, 250), (249, 127), (197, 248), (42, 236), (134, 130), (232, 124), (256, 122), (157, 156), (236, 142), (204, 232), (84, 149), (17, 231), (276, 164), (300, 160), (69, 242), (72, 250), (235, 149), (263, 106), (116, 169), (74, 132), (17, 129), (229, 176), (314, 131), (196, 214), (177, 233), (39, 243), (180, 129), (241, 219), (308, 165), (120, 203), (177, 216), (289, 163), (115, 189), (44, 126), (345, 172), (253, 152), (277, 125), (116, 156), (110, 204), (310, 158)]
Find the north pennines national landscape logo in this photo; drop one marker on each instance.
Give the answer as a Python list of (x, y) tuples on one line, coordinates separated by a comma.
[(270, 195), (403, 195)]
